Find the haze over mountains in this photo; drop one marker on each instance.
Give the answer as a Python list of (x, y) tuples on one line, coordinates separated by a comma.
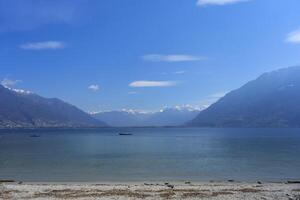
[(272, 100), (167, 117), (19, 108)]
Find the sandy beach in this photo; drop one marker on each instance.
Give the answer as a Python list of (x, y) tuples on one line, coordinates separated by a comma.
[(123, 191)]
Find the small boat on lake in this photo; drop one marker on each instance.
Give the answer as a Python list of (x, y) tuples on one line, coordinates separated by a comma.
[(125, 134), (35, 135)]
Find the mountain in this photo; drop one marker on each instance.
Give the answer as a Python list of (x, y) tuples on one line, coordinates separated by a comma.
[(166, 117), (122, 118), (19, 108), (171, 117), (272, 100)]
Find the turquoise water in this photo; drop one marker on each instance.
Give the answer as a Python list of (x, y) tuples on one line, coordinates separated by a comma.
[(150, 154)]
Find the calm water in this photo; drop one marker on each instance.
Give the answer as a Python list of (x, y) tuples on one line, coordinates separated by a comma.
[(151, 154)]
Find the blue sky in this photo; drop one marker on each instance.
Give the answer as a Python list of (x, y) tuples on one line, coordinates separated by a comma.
[(145, 55)]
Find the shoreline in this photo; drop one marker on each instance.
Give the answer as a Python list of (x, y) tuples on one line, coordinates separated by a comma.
[(150, 190), (129, 127), (160, 182)]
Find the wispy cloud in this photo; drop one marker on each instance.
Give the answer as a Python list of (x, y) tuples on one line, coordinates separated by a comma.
[(172, 58), (294, 37), (132, 92), (153, 84), (10, 83), (94, 87), (43, 45), (218, 2), (180, 72), (24, 15)]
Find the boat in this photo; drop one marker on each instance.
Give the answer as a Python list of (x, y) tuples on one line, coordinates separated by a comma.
[(125, 134), (35, 135)]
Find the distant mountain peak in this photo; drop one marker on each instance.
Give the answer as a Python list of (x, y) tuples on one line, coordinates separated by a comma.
[(171, 116), (188, 107), (132, 111)]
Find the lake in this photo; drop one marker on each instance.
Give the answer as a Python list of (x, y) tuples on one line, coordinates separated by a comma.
[(150, 154)]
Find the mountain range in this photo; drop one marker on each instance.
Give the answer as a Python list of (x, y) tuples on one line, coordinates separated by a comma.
[(272, 100), (19, 108), (167, 117)]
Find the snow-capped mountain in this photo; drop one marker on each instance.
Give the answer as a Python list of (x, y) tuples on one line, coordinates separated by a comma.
[(20, 108), (166, 117)]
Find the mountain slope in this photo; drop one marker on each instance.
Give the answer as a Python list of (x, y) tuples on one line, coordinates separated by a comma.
[(272, 100), (21, 109), (122, 118), (166, 117), (171, 117)]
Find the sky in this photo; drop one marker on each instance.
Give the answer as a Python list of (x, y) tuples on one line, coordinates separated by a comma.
[(105, 55)]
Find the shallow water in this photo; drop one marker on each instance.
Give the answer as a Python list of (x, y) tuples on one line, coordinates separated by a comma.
[(150, 154)]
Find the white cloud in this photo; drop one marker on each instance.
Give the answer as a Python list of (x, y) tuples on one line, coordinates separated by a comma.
[(94, 87), (153, 84), (218, 2), (10, 83), (171, 58), (43, 45), (294, 37), (132, 92)]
